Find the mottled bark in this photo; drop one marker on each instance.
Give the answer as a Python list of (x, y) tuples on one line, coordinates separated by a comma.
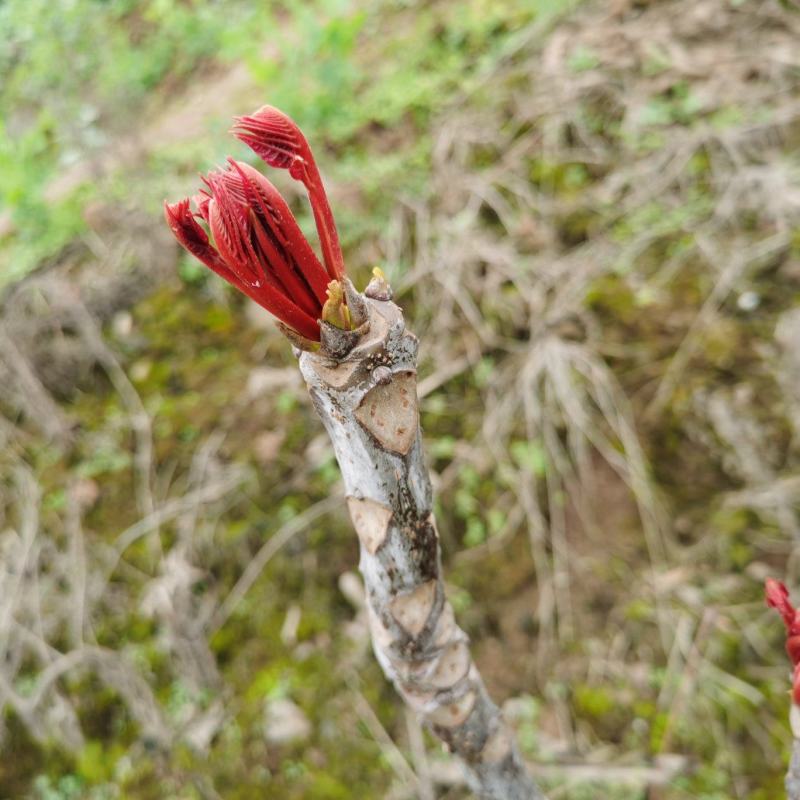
[(367, 400)]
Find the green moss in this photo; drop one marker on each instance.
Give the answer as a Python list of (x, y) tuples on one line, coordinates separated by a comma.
[(594, 701)]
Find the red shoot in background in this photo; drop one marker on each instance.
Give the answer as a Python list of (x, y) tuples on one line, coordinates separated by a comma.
[(778, 598)]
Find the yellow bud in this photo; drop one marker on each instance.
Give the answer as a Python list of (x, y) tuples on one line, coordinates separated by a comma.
[(335, 311)]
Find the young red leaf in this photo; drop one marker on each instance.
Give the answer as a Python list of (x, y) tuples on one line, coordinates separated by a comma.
[(278, 140), (257, 244)]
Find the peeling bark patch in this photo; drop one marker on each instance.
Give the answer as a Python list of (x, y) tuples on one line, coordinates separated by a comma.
[(389, 412), (412, 609), (454, 714), (445, 627), (454, 664), (371, 521), (337, 376), (417, 699)]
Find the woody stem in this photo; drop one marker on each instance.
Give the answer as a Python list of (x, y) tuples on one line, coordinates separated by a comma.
[(368, 404)]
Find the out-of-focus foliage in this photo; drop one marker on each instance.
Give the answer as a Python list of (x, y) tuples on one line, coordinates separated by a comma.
[(80, 74), (76, 74), (590, 215)]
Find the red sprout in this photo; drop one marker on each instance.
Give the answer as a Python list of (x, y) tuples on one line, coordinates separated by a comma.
[(280, 143), (258, 246)]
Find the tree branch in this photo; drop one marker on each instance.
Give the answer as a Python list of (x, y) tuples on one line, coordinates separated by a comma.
[(367, 401)]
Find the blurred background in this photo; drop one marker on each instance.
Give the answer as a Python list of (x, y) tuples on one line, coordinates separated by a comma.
[(590, 212)]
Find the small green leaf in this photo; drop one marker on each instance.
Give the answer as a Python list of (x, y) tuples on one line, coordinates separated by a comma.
[(530, 456)]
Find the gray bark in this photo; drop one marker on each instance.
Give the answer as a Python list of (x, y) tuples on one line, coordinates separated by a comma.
[(367, 400)]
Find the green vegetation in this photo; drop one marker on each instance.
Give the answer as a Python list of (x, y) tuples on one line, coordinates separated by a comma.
[(82, 73)]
